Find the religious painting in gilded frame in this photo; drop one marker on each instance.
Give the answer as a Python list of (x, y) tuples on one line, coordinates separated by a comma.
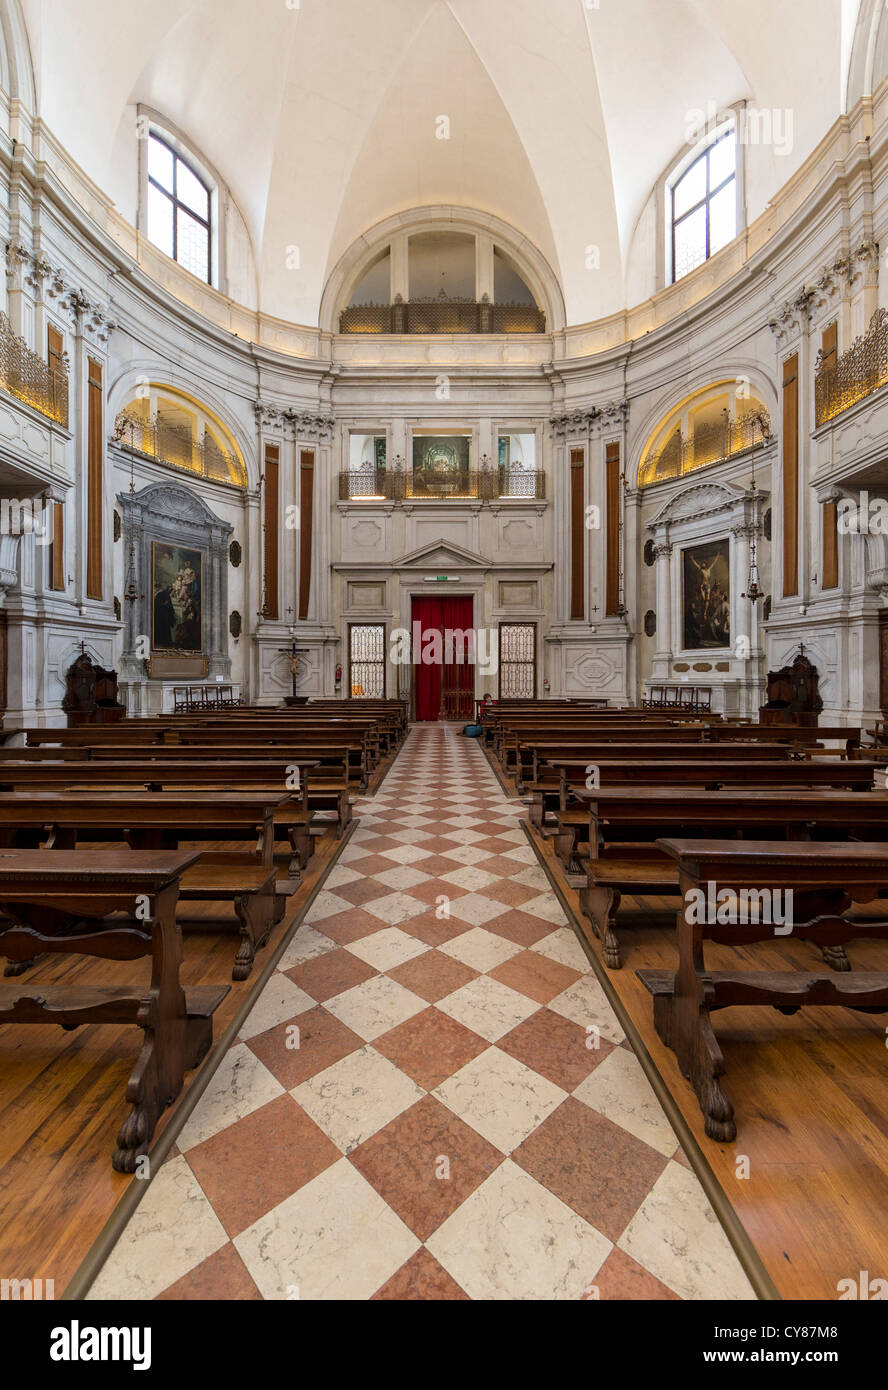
[(177, 584), (706, 595)]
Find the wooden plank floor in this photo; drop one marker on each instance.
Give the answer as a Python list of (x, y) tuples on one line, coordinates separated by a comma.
[(810, 1094), (62, 1094)]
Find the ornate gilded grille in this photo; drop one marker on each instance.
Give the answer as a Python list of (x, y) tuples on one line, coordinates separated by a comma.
[(442, 316), (712, 442), (517, 661), (397, 485), (857, 373), (365, 482), (176, 444), (366, 648), (27, 377)]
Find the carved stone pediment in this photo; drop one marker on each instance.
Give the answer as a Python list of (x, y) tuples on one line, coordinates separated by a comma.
[(442, 556), (171, 502), (699, 500)]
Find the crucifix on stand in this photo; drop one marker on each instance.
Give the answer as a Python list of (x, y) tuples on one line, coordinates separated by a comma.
[(294, 656)]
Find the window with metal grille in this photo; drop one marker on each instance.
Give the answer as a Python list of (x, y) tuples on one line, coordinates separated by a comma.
[(517, 661), (704, 205), (178, 209), (366, 661)]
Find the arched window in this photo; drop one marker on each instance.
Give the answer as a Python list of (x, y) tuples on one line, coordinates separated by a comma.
[(179, 206), (701, 203)]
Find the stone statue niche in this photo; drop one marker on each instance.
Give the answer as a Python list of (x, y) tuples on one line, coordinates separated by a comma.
[(793, 694), (91, 694)]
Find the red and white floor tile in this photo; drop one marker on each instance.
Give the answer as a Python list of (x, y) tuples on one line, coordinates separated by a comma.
[(432, 1098)]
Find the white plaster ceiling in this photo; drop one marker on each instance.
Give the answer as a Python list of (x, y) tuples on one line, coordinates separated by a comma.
[(321, 118)]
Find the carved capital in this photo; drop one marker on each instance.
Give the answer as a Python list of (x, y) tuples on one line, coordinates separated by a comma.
[(299, 424), (16, 257), (612, 415)]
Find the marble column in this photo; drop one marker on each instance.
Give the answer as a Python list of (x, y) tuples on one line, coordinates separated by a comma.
[(663, 654)]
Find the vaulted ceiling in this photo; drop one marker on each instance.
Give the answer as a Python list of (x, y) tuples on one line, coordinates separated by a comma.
[(322, 115)]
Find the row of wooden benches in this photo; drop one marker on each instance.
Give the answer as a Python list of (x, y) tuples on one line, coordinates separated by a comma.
[(153, 790), (664, 815)]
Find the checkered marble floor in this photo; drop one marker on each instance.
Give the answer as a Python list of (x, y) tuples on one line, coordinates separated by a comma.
[(432, 1098)]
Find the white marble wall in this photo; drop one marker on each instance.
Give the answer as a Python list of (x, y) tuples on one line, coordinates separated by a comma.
[(586, 386)]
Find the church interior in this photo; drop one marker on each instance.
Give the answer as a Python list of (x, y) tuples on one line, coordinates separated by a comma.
[(444, 651)]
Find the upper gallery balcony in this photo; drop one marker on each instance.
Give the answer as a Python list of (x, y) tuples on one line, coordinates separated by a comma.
[(444, 280), (843, 381), (442, 315), (464, 484), (27, 377)]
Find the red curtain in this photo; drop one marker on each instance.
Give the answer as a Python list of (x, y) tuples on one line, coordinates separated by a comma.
[(441, 614)]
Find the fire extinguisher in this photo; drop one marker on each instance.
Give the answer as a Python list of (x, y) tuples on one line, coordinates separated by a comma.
[(338, 675)]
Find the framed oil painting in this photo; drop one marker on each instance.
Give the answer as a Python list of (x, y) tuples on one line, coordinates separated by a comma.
[(177, 599), (706, 595), (445, 456)]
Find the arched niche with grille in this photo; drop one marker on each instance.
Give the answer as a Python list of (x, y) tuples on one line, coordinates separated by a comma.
[(173, 428), (717, 423)]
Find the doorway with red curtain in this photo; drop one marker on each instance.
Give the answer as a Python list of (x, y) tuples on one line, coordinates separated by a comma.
[(446, 685)]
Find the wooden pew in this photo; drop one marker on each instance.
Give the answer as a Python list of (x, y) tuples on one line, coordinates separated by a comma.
[(506, 750), (154, 821), (336, 749), (607, 881), (798, 735), (777, 772), (555, 768), (321, 791), (61, 902), (626, 824), (522, 752), (825, 879)]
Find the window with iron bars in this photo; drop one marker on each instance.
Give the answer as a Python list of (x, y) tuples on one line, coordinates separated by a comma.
[(366, 661), (517, 661)]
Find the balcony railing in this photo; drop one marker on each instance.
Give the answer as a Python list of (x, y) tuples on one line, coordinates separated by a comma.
[(178, 446), (856, 374), (442, 316), (712, 442), (485, 485), (27, 377)]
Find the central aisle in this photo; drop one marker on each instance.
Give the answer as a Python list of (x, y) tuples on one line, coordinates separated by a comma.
[(432, 1098)]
